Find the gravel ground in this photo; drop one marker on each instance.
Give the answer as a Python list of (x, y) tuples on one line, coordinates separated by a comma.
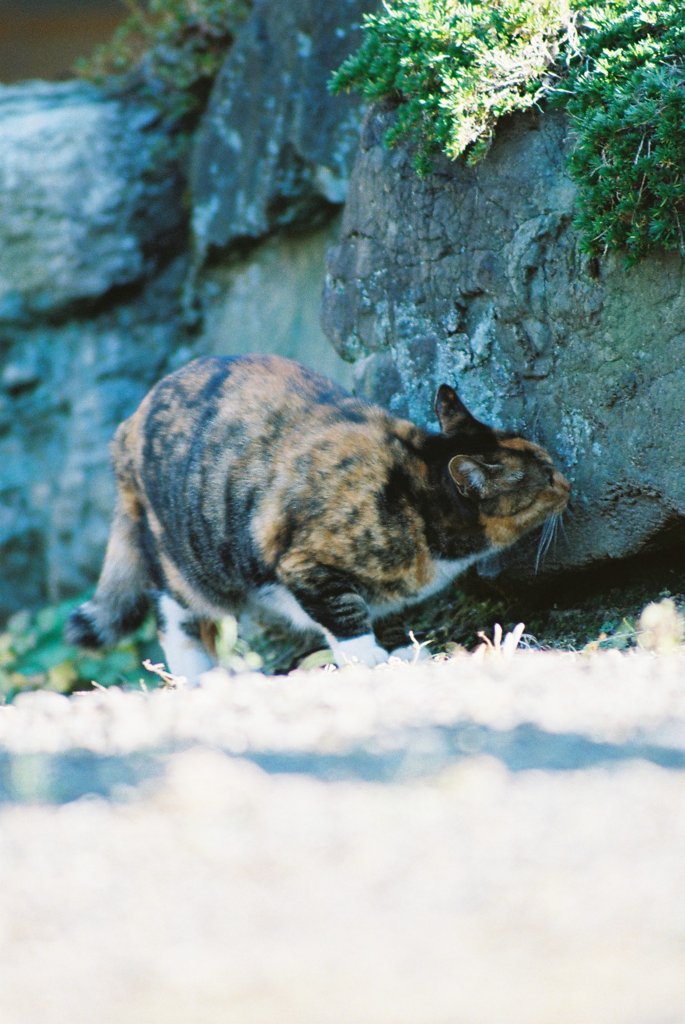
[(480, 840)]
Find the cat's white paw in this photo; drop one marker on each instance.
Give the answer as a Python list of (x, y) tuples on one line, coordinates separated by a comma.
[(411, 653), (365, 650)]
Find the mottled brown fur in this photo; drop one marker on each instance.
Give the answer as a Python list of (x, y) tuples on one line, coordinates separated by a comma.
[(242, 479)]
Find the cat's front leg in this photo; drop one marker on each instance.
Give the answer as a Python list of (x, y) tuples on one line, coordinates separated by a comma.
[(328, 598)]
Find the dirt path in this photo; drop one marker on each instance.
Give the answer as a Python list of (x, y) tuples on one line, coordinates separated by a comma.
[(495, 841)]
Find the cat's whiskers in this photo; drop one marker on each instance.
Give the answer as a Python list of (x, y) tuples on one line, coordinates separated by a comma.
[(563, 527), (547, 537)]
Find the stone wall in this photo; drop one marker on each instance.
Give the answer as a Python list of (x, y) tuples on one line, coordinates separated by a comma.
[(271, 300), (275, 149)]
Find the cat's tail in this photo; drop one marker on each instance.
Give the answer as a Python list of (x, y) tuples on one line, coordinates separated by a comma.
[(120, 602)]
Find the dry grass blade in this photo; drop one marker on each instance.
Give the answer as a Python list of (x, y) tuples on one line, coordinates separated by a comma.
[(501, 645)]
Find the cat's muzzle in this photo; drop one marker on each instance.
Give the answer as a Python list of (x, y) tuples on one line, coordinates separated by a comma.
[(561, 490)]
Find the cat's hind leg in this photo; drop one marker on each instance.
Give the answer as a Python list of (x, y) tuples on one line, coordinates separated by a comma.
[(120, 602), (180, 638)]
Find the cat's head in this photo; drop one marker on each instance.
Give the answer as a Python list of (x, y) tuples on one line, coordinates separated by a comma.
[(512, 483)]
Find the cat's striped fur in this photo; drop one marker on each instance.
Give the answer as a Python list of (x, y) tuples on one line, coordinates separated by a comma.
[(255, 479)]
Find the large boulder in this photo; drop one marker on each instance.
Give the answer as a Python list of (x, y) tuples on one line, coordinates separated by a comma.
[(90, 210), (64, 387), (87, 200), (274, 148), (475, 275), (270, 301)]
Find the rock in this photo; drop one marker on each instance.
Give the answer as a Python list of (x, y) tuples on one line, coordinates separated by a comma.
[(271, 302), (64, 387), (90, 210), (475, 276), (275, 148), (87, 201)]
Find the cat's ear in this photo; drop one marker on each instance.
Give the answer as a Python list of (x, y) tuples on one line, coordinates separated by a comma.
[(452, 414), (471, 476)]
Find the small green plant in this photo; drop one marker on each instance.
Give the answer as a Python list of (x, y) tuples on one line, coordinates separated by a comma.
[(617, 66), (171, 49), (34, 655)]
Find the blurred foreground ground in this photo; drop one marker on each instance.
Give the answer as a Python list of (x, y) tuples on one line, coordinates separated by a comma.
[(495, 840)]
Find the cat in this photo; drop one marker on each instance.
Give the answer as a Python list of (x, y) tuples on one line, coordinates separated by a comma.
[(252, 479)]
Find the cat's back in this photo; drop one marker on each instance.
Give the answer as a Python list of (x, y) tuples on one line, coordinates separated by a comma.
[(218, 398), (213, 390), (236, 417)]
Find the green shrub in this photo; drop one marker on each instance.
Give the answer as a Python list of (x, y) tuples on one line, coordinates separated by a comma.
[(454, 68), (617, 66), (626, 100), (173, 49)]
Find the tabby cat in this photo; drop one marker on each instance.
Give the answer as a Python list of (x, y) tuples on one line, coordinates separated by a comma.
[(253, 479)]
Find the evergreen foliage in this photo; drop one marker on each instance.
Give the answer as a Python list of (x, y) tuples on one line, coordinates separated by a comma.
[(617, 66), (626, 100), (453, 68)]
